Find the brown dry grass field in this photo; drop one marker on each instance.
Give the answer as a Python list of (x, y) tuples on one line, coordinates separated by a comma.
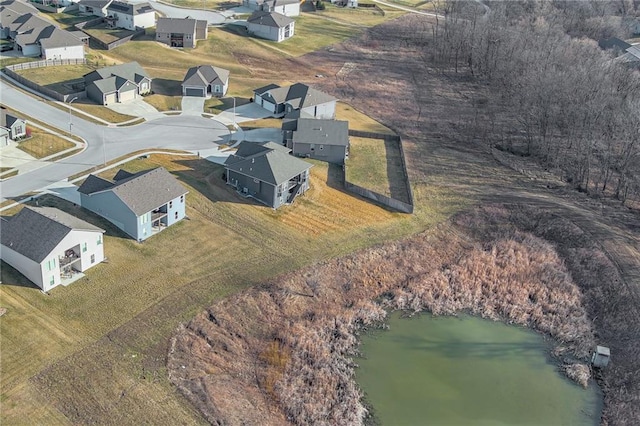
[(43, 144), (95, 352)]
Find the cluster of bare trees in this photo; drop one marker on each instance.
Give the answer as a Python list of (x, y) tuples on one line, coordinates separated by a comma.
[(554, 94)]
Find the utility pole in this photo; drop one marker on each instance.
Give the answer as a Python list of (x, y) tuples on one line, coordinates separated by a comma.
[(70, 112)]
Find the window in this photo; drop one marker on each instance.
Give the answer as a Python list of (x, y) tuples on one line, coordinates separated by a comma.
[(84, 247), (217, 88), (93, 258), (144, 218), (170, 204), (321, 146), (52, 280), (182, 198), (176, 216), (99, 239), (51, 264)]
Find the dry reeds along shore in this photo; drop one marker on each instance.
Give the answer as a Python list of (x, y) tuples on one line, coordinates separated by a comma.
[(287, 347)]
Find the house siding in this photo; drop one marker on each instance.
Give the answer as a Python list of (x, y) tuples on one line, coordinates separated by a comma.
[(31, 50), (271, 33), (66, 52), (322, 111), (260, 190), (39, 273), (109, 206), (24, 265), (329, 153)]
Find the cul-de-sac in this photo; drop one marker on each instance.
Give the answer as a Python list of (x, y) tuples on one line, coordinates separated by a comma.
[(319, 212)]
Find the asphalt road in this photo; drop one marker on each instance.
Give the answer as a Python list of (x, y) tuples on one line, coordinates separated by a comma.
[(189, 133)]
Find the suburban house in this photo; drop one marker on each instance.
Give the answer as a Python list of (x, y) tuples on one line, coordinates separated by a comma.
[(141, 204), (266, 172), (14, 127), (130, 16), (281, 101), (50, 247), (117, 84), (205, 80), (325, 140), (270, 25), (613, 43), (180, 32), (283, 7), (35, 36), (94, 7)]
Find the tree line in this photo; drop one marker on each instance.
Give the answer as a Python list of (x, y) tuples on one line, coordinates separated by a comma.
[(553, 93)]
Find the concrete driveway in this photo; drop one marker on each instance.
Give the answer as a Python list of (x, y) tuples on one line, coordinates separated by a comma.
[(137, 108), (192, 105), (246, 112)]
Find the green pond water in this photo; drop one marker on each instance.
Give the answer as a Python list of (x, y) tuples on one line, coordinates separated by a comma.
[(468, 371)]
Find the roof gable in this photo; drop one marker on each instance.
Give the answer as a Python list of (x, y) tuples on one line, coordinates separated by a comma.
[(204, 75), (269, 19), (35, 231), (140, 192), (322, 132), (268, 162)]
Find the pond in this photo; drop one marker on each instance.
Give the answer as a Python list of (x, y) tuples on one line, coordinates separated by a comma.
[(465, 370)]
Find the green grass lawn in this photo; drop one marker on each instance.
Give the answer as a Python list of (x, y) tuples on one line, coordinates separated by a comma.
[(108, 333), (60, 78), (43, 144), (376, 165)]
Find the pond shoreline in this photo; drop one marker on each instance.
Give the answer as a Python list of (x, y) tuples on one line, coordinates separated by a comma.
[(288, 347)]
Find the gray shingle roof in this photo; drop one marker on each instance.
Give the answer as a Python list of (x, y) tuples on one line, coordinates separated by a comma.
[(322, 132), (17, 6), (93, 184), (176, 25), (99, 4), (299, 95), (271, 165), (269, 19), (132, 71), (35, 231), (143, 191), (59, 38), (204, 75)]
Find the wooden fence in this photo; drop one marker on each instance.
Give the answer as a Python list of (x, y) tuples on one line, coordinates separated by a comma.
[(375, 196), (11, 72)]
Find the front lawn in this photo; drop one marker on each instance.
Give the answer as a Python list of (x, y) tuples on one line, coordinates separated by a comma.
[(43, 144)]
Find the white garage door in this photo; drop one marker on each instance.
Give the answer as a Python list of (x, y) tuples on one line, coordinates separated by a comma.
[(127, 96), (110, 99)]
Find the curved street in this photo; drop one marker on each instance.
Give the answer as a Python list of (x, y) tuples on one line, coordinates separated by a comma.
[(179, 132)]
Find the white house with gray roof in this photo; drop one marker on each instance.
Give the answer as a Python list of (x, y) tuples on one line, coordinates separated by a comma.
[(94, 7), (281, 101), (270, 25), (130, 16), (284, 7), (117, 84), (266, 172), (205, 81), (50, 247), (140, 204), (14, 127), (35, 36)]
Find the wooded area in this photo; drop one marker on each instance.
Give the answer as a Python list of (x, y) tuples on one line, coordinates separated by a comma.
[(553, 93)]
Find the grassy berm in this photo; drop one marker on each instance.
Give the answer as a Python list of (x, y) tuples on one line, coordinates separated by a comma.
[(283, 352)]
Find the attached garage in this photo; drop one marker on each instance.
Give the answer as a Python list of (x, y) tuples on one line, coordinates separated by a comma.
[(194, 91), (110, 98), (129, 95)]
